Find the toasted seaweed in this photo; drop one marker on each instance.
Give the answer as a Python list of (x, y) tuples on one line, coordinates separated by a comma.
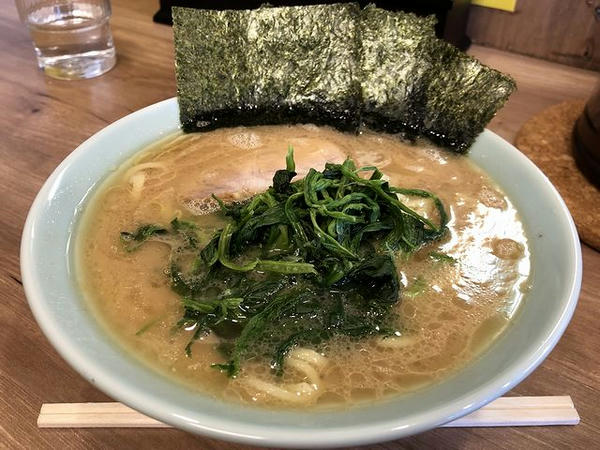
[(418, 85), (462, 96), (212, 74), (331, 65), (394, 74), (267, 66)]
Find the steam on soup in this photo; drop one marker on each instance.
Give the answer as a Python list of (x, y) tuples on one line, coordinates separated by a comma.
[(333, 295)]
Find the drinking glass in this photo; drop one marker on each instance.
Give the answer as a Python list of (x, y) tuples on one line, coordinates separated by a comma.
[(72, 39)]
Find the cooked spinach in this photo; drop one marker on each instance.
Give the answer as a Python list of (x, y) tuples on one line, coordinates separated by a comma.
[(299, 263), (416, 287), (442, 257), (147, 326), (133, 240)]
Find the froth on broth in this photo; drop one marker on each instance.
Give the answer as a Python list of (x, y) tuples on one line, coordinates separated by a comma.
[(448, 314)]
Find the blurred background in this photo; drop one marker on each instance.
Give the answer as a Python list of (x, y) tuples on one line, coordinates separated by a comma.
[(564, 31)]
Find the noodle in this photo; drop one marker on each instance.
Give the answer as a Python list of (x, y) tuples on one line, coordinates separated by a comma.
[(144, 166), (306, 362), (396, 341), (290, 393), (306, 369), (310, 356), (137, 181)]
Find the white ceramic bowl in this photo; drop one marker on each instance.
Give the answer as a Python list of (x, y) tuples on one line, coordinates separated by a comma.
[(49, 278)]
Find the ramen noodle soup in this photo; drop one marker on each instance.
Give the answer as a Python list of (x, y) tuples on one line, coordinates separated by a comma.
[(451, 307)]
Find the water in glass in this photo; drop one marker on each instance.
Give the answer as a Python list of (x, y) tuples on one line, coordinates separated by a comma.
[(71, 39)]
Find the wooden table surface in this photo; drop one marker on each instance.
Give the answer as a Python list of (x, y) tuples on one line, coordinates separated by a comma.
[(43, 120)]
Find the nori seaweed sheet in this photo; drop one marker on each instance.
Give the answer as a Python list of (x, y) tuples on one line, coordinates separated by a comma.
[(331, 65), (418, 85), (393, 77), (267, 66), (462, 96)]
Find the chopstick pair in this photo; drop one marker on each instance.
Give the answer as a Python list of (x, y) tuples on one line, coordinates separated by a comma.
[(502, 412)]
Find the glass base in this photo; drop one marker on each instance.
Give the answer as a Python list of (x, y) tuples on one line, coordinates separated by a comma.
[(78, 66)]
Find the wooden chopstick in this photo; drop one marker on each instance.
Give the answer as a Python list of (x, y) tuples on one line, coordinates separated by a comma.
[(94, 415), (521, 412), (503, 412)]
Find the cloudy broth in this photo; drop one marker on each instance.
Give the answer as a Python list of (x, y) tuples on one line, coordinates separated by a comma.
[(448, 313)]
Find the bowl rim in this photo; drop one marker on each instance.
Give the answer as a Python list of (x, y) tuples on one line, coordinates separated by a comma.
[(226, 429)]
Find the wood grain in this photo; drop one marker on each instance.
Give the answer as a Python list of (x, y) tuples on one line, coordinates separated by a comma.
[(565, 31), (43, 120), (502, 412)]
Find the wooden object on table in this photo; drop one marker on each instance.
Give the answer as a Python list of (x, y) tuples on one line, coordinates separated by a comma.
[(521, 412), (502, 412), (43, 120), (547, 139), (567, 32)]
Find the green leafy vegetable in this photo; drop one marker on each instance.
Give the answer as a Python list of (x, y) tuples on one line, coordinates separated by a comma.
[(442, 257), (147, 326), (302, 262), (133, 240), (417, 287)]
